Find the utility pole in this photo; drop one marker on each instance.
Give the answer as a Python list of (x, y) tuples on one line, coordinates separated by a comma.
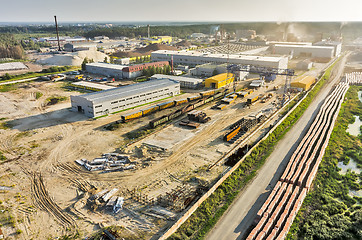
[(56, 27)]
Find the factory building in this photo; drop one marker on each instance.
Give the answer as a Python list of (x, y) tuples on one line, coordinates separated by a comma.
[(193, 58), (121, 71), (303, 82), (320, 52), (185, 82), (136, 70), (219, 81), (336, 45), (208, 69), (105, 69), (109, 101), (79, 46)]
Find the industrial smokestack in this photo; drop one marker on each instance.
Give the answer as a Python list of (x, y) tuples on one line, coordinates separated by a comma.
[(148, 30), (56, 27)]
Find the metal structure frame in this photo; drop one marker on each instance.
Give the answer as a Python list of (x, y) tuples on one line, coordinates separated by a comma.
[(264, 72)]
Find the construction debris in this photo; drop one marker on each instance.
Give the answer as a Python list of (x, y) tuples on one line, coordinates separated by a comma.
[(109, 162)]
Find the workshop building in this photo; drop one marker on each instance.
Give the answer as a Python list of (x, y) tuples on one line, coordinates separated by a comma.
[(304, 82), (113, 100), (219, 81)]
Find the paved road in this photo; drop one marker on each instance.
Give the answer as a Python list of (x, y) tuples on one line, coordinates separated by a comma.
[(19, 81), (240, 215)]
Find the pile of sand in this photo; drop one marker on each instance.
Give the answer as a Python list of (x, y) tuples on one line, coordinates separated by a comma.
[(73, 59), (183, 43), (144, 51)]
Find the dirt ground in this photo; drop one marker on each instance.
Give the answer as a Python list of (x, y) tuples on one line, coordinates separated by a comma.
[(49, 192)]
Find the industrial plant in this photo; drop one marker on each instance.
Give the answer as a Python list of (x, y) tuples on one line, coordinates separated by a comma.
[(191, 131)]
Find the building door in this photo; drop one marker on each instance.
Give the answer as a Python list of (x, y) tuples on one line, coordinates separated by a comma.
[(213, 85), (80, 109)]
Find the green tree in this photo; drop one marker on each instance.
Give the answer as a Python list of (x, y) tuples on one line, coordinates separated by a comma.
[(85, 61), (105, 60), (7, 76)]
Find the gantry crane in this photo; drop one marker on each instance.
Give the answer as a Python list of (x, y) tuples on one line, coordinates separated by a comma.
[(264, 72)]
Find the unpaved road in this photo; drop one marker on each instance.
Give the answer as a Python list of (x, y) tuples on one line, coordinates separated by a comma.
[(241, 214)]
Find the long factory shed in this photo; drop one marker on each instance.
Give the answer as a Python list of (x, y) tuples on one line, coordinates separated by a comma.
[(113, 100), (193, 58)]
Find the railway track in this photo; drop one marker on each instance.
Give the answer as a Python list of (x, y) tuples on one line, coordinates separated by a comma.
[(44, 202), (279, 210)]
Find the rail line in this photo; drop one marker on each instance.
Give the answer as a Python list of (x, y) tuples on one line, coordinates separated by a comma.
[(277, 214)]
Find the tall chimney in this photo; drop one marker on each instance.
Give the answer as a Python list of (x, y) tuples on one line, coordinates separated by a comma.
[(56, 27)]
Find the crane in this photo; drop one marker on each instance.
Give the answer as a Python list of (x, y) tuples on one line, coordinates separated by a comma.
[(265, 72)]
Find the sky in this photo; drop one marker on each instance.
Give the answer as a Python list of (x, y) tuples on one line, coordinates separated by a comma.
[(179, 11)]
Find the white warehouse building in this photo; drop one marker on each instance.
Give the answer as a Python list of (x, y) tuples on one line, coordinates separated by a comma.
[(105, 69), (193, 58), (305, 50), (113, 100), (336, 45), (185, 82)]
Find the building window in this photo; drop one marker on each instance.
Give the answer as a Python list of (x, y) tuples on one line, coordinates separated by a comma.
[(98, 106)]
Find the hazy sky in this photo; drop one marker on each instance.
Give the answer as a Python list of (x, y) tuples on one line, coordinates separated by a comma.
[(181, 10)]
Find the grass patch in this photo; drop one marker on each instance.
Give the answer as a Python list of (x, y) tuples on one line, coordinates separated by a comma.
[(55, 99), (38, 95), (2, 157), (206, 216), (8, 87), (52, 70), (328, 211)]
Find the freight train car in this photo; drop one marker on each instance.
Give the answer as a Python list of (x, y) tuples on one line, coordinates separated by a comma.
[(207, 93), (154, 123), (130, 116), (180, 102), (194, 98), (150, 110), (166, 105)]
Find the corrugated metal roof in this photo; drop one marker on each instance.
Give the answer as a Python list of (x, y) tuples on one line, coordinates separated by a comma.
[(12, 66), (211, 55), (128, 91), (107, 65), (304, 46), (177, 78), (92, 85)]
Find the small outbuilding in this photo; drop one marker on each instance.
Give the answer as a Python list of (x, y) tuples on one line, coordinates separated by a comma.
[(219, 80), (304, 82)]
